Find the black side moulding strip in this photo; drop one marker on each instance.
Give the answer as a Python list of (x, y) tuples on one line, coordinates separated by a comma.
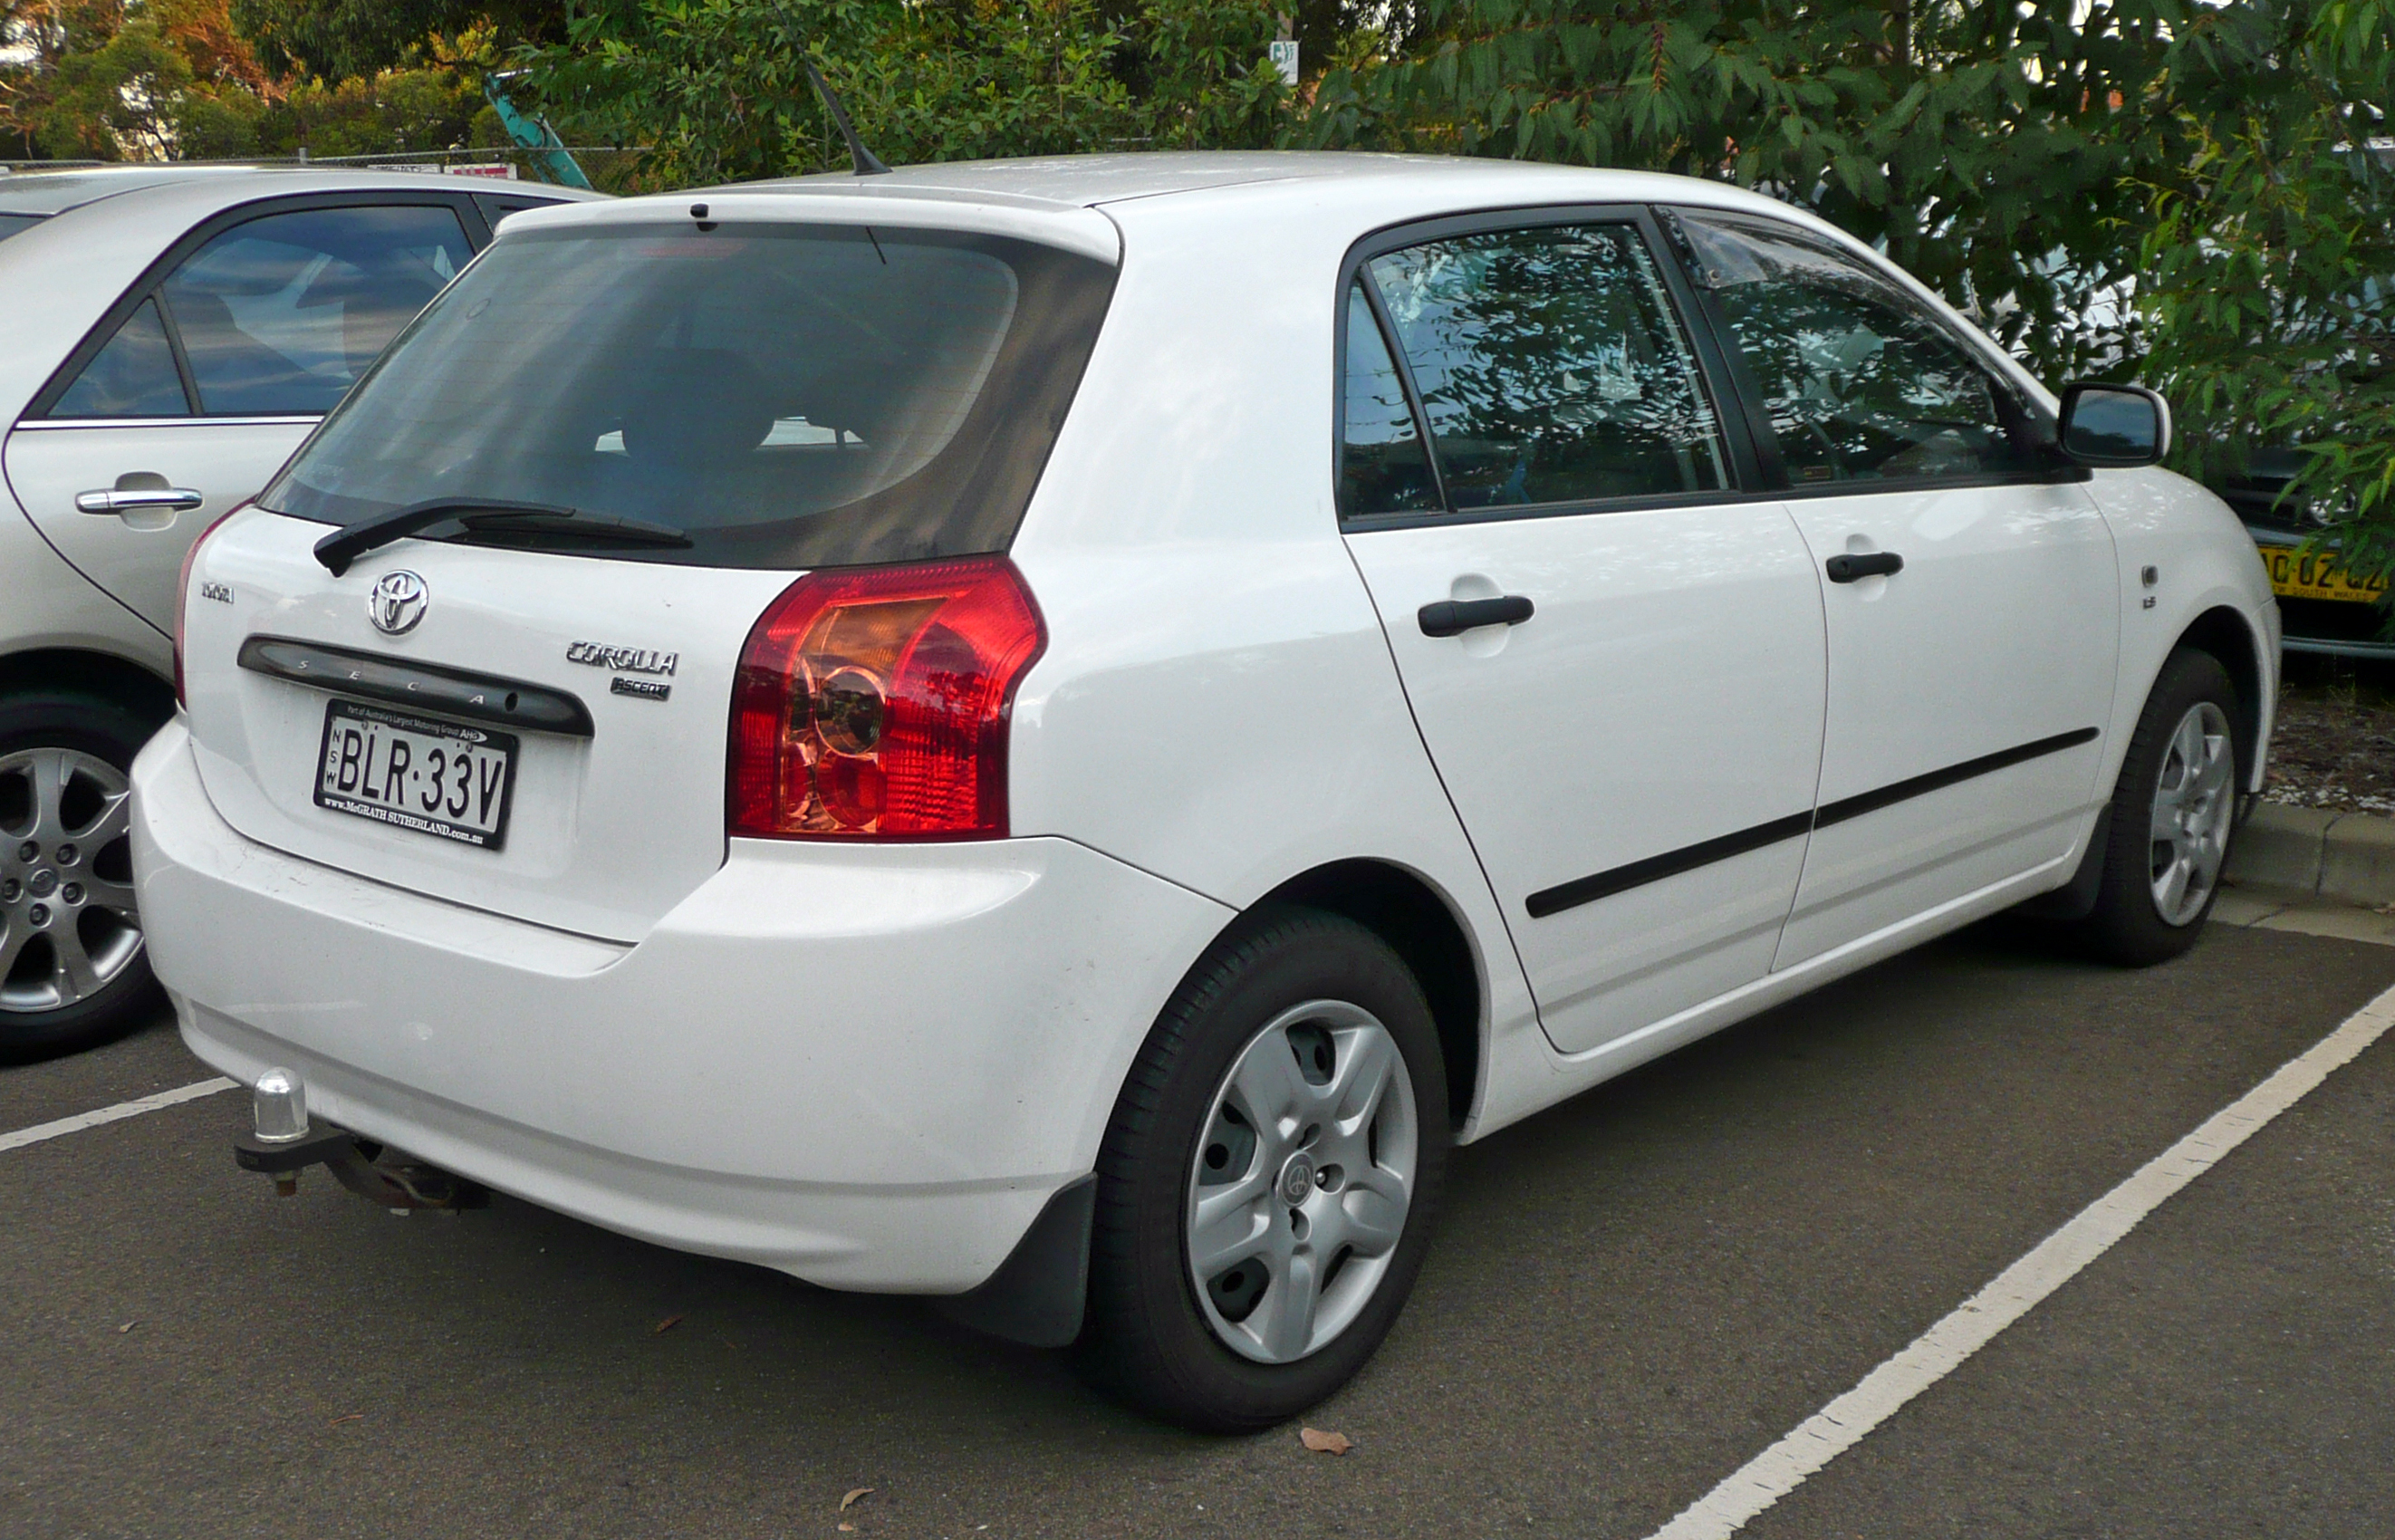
[(1672, 863)]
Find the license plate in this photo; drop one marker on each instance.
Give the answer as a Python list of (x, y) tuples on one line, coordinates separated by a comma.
[(443, 778), (2295, 575)]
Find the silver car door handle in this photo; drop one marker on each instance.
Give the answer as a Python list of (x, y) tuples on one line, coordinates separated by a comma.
[(179, 498)]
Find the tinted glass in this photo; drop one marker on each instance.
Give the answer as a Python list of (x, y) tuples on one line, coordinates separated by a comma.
[(11, 224), (133, 375), (786, 396), (1860, 385), (281, 315), (1381, 466), (1551, 366)]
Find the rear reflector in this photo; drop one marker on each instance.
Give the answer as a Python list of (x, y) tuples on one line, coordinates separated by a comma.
[(872, 703)]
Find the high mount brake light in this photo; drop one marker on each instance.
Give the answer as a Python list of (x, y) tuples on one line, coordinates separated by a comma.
[(873, 703), (184, 592)]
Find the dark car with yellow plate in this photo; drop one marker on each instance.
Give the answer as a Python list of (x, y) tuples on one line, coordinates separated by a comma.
[(2323, 609)]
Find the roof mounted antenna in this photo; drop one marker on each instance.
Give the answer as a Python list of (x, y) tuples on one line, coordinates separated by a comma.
[(866, 163)]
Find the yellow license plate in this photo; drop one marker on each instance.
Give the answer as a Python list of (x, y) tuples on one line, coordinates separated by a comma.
[(2297, 574)]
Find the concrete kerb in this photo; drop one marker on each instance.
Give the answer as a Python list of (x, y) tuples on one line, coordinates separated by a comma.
[(2346, 857)]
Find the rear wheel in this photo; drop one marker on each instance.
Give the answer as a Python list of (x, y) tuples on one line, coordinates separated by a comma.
[(74, 972), (2173, 813), (1266, 1188)]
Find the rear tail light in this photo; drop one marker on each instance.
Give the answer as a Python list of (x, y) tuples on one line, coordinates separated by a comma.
[(873, 703), (184, 592)]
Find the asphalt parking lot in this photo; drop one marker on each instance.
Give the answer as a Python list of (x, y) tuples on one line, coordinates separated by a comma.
[(1631, 1296)]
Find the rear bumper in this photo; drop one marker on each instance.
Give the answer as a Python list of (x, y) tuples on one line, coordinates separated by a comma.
[(869, 1067)]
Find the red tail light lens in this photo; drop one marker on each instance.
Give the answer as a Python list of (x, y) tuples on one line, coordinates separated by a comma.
[(184, 592), (873, 703)]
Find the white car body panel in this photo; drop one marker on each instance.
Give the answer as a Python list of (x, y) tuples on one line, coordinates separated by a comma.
[(607, 834), (2002, 631), (1221, 709), (2160, 518), (708, 1088), (1667, 692)]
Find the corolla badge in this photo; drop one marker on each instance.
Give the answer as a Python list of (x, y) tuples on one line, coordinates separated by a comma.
[(397, 603)]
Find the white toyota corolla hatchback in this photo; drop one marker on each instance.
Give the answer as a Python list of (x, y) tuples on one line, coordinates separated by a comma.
[(1054, 733)]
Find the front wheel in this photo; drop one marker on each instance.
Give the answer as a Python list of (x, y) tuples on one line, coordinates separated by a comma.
[(2174, 812), (1267, 1187)]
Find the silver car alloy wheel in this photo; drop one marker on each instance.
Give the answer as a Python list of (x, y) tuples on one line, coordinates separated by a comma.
[(68, 928), (1299, 1184), (2194, 802)]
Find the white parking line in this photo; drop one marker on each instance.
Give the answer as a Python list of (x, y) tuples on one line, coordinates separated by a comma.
[(133, 1109), (1938, 1351)]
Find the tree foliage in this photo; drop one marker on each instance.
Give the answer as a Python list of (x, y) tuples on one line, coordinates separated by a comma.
[(718, 89), (2267, 274)]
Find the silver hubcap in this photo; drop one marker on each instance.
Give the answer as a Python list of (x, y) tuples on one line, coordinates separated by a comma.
[(2194, 804), (67, 923), (1300, 1186)]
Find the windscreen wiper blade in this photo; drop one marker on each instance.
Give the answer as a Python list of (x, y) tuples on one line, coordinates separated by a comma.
[(348, 543), (523, 526)]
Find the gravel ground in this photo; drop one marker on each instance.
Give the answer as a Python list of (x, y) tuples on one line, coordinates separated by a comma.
[(2334, 743)]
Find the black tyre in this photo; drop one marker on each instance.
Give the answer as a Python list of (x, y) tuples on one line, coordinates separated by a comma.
[(74, 973), (1266, 1188), (2173, 813)]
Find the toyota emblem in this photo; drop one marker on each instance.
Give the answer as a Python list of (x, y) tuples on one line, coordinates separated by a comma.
[(397, 603)]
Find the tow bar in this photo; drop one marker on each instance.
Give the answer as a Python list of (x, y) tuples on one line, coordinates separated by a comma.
[(283, 1142)]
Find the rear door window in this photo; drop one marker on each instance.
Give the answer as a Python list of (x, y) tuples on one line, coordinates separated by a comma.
[(781, 395), (1861, 383), (1551, 366), (279, 316)]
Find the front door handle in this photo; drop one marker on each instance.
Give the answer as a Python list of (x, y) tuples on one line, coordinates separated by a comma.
[(1877, 563), (130, 499), (1454, 616)]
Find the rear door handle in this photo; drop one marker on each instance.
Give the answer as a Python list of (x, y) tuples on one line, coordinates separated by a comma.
[(1454, 616), (130, 499), (1877, 563)]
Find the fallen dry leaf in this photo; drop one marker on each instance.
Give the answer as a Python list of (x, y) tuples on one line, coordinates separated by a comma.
[(667, 1324), (1325, 1444), (355, 1416), (126, 1327), (856, 1495), (847, 1528)]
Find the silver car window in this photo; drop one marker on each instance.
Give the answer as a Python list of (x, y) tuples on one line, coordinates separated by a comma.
[(281, 315), (133, 375)]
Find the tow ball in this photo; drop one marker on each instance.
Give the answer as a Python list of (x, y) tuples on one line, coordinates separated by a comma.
[(282, 1143)]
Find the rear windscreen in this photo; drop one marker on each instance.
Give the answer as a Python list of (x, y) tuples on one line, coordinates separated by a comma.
[(11, 223), (784, 395)]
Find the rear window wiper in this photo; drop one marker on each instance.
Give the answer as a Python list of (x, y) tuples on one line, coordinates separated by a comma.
[(345, 545)]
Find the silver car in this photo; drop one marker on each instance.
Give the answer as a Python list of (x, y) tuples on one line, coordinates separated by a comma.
[(169, 335)]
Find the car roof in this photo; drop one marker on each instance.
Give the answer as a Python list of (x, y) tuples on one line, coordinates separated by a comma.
[(1095, 180), (44, 192), (1079, 200)]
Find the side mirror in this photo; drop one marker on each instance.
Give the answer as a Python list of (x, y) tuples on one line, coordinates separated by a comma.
[(2114, 425)]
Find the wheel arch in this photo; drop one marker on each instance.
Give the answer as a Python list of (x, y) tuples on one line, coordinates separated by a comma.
[(96, 673), (1426, 933), (2224, 633)]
